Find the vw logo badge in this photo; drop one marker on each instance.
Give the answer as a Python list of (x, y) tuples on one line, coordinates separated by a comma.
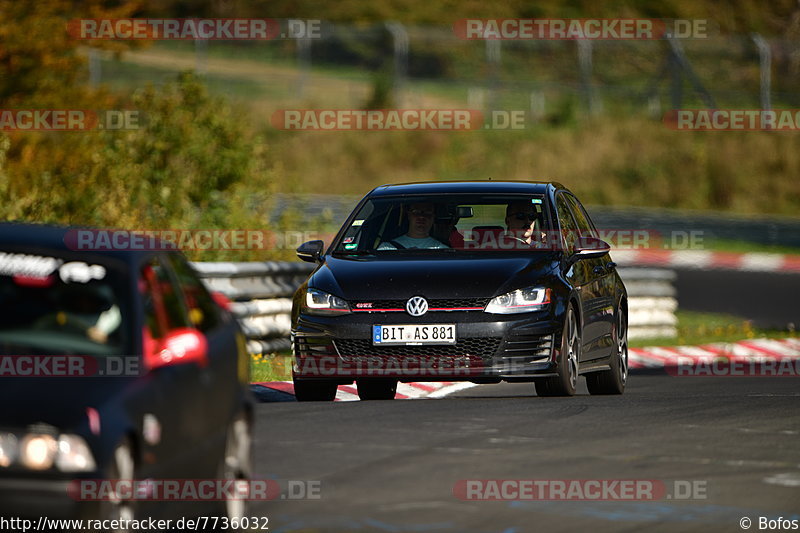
[(417, 306)]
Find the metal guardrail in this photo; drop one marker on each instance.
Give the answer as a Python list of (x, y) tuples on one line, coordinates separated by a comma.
[(261, 299), (652, 302)]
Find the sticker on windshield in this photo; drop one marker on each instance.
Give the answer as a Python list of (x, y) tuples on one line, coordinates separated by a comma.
[(358, 222), (350, 246), (348, 240), (28, 266), (536, 200), (80, 272)]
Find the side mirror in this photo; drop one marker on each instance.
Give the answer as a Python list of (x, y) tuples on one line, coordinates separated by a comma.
[(590, 247), (310, 251), (180, 346)]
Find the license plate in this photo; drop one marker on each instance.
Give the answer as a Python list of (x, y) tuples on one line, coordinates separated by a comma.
[(414, 334)]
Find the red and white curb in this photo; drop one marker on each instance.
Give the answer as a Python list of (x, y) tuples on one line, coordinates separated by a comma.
[(405, 391), (756, 350), (751, 350), (705, 259)]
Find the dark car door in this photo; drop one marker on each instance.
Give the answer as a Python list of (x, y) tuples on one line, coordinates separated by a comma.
[(602, 288), (180, 416), (582, 278), (227, 372)]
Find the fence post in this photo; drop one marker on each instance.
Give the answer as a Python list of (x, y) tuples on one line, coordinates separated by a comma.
[(765, 65), (585, 68), (400, 46), (95, 72), (303, 49), (201, 56), (493, 54)]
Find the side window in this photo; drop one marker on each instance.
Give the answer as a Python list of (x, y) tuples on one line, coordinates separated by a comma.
[(203, 312), (584, 224), (163, 307), (568, 227)]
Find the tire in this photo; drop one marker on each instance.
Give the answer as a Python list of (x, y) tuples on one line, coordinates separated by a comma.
[(314, 391), (566, 382), (376, 389), (122, 467), (613, 381), (237, 463)]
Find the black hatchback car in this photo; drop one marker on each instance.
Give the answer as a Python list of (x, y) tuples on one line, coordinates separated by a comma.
[(114, 365), (451, 281)]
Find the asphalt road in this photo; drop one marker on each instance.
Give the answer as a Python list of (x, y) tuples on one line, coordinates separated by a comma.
[(392, 466), (768, 299)]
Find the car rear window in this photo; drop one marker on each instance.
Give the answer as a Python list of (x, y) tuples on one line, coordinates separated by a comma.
[(53, 304)]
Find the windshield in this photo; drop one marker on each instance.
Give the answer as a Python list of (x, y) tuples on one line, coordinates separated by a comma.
[(448, 224), (56, 305)]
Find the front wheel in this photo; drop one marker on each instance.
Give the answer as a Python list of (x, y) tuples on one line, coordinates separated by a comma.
[(376, 389), (314, 390), (566, 382), (612, 381), (120, 471), (237, 464)]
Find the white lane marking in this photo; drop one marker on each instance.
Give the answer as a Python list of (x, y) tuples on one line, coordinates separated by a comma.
[(410, 391), (450, 389), (697, 353), (346, 393), (761, 262), (788, 479), (692, 259)]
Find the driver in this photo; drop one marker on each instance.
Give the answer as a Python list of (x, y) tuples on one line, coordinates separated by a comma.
[(420, 222), (522, 221)]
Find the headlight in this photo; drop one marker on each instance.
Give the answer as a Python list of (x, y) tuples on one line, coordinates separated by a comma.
[(74, 454), (8, 449), (322, 303), (38, 451), (519, 301)]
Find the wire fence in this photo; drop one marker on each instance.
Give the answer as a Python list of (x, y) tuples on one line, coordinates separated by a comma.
[(392, 65)]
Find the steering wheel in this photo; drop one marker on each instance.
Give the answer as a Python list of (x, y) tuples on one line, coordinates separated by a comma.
[(61, 320)]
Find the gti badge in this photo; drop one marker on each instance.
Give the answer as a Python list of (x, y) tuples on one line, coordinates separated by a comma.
[(417, 306)]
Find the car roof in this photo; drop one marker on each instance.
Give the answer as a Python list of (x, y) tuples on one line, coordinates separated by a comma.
[(456, 187), (55, 237)]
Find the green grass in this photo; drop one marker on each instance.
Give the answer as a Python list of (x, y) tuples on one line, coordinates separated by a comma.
[(704, 328), (272, 367), (722, 245)]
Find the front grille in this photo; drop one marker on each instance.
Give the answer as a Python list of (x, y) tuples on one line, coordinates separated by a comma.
[(436, 303), (479, 348)]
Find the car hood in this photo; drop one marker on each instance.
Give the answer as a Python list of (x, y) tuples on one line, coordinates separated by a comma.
[(449, 277), (60, 402)]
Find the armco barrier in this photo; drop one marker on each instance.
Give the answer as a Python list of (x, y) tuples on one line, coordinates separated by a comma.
[(261, 295)]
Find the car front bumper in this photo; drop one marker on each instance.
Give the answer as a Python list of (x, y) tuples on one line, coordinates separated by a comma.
[(489, 347)]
